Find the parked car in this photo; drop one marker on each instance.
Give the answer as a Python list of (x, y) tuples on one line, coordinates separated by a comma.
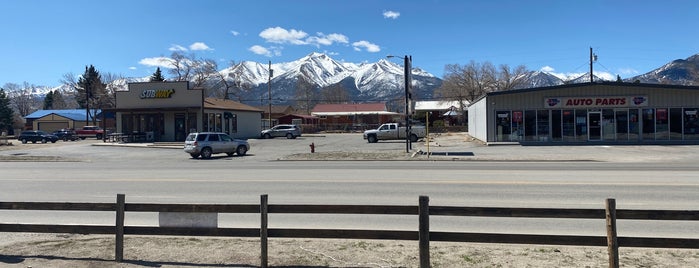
[(288, 131), (36, 135), (205, 144), (90, 132), (66, 134)]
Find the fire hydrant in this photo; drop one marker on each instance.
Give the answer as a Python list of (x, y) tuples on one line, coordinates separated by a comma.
[(313, 147)]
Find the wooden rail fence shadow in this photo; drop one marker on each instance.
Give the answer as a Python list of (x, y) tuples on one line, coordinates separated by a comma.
[(423, 235)]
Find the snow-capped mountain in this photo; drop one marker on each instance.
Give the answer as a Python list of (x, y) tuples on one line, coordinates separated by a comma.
[(380, 81), (540, 79), (678, 72)]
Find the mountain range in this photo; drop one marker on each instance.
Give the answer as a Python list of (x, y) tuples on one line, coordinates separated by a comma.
[(383, 80)]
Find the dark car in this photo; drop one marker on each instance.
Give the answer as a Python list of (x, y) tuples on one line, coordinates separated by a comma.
[(288, 131), (66, 134), (37, 135)]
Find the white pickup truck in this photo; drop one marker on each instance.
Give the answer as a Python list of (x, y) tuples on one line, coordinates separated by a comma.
[(393, 131)]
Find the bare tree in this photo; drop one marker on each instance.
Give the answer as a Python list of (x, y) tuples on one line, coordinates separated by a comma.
[(22, 99), (509, 79), (108, 97), (239, 85), (335, 93), (71, 94), (467, 83), (182, 66), (305, 95), (202, 70)]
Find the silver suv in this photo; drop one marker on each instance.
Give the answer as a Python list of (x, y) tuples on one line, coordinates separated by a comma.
[(205, 144), (288, 131)]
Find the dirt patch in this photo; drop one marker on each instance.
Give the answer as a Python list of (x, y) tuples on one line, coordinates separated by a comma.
[(53, 250)]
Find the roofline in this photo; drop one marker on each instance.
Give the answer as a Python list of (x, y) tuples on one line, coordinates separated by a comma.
[(524, 90)]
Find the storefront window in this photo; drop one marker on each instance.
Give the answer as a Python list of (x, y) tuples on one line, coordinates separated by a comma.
[(648, 124), (542, 125), (234, 123), (676, 123), (568, 129), (192, 119), (219, 123), (608, 126), (633, 124), (517, 126), (530, 125), (691, 124), (622, 125), (581, 125), (662, 131), (556, 123), (503, 130)]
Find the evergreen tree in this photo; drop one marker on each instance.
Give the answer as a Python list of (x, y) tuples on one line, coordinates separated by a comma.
[(48, 101), (6, 113), (90, 88), (157, 76)]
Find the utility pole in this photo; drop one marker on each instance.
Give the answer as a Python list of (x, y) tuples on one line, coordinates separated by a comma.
[(593, 58)]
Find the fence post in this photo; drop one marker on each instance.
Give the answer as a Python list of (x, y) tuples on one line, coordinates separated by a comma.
[(424, 231), (119, 240), (612, 244), (263, 230)]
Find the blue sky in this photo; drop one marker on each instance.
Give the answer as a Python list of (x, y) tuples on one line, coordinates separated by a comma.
[(44, 39)]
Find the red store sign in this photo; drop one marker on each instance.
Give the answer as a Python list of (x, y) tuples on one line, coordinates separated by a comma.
[(596, 102)]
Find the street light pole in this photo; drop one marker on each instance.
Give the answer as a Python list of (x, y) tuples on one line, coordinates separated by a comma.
[(269, 94), (407, 66)]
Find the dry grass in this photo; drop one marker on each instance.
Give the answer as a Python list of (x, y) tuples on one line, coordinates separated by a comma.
[(50, 250)]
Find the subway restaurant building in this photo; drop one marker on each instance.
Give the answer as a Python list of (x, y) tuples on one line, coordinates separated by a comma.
[(589, 113), (168, 111)]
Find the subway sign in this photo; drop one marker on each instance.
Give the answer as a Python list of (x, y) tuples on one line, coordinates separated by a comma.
[(596, 102), (157, 93)]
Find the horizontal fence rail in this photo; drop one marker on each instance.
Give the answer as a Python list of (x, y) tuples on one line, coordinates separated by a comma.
[(423, 235)]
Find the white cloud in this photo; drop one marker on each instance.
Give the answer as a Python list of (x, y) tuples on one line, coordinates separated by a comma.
[(281, 36), (235, 33), (260, 50), (157, 62), (269, 52), (133, 68), (326, 40), (547, 69), (199, 46), (391, 14), (358, 46), (176, 47)]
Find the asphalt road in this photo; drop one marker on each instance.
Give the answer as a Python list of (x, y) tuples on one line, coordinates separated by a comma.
[(653, 177)]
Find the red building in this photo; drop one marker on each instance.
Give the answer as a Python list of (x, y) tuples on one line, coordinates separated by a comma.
[(353, 117)]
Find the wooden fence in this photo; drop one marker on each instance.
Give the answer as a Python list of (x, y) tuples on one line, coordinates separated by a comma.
[(423, 234)]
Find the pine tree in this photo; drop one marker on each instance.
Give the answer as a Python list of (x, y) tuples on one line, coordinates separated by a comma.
[(6, 113), (48, 101), (157, 76), (90, 88)]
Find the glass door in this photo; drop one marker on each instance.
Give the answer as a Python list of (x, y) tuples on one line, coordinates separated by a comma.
[(594, 120)]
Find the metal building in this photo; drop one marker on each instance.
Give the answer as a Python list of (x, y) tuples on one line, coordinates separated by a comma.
[(589, 113)]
